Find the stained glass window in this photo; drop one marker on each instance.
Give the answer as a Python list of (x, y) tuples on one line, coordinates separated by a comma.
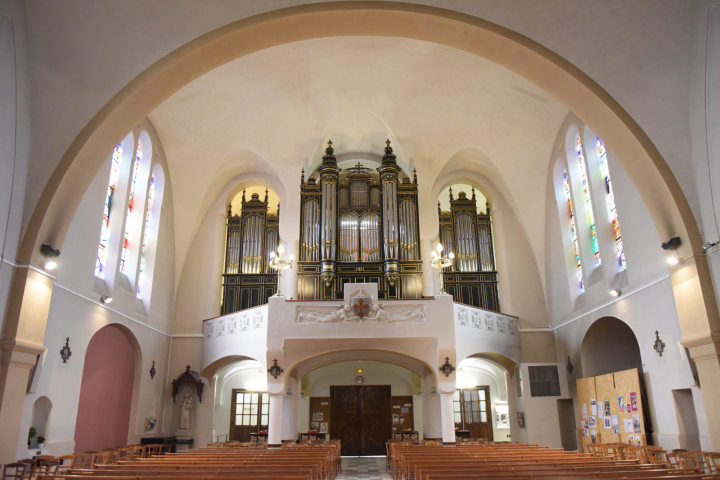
[(137, 165), (146, 235), (573, 234), (610, 204), (105, 227), (582, 173)]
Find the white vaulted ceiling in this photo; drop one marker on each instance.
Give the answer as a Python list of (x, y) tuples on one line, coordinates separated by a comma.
[(270, 113)]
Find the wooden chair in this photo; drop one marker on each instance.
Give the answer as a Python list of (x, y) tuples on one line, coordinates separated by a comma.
[(45, 465), (712, 462), (82, 460), (15, 471), (655, 455), (685, 461), (153, 449)]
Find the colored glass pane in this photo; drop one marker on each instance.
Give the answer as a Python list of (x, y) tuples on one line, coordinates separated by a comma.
[(573, 235), (590, 218), (146, 236), (105, 227), (610, 204), (131, 203)]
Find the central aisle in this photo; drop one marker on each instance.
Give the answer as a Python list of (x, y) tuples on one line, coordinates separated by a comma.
[(363, 468)]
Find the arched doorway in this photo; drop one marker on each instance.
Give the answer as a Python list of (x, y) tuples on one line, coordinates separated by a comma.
[(106, 392), (363, 403), (241, 401), (481, 404)]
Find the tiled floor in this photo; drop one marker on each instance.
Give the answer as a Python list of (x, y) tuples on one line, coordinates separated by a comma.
[(363, 468)]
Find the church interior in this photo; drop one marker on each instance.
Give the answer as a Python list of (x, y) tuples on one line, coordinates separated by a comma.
[(381, 223)]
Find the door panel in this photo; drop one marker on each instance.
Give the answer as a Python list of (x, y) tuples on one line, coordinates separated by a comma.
[(376, 418), (345, 419), (360, 417)]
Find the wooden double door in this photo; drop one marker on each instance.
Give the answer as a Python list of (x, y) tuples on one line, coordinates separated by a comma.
[(361, 418)]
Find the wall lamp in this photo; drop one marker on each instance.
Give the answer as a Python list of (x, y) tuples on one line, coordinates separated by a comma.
[(106, 299), (615, 292), (50, 253), (672, 246)]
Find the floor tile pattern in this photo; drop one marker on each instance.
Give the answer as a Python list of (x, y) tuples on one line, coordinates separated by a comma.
[(363, 468)]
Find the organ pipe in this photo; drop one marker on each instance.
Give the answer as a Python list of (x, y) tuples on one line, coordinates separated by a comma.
[(359, 216)]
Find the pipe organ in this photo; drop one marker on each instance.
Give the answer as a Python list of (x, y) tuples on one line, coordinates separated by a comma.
[(472, 279), (359, 225), (251, 237)]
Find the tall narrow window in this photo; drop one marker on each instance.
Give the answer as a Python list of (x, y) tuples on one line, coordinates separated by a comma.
[(582, 173), (101, 259), (134, 180), (610, 204), (573, 235), (146, 235)]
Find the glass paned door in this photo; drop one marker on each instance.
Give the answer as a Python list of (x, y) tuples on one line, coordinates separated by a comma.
[(249, 414), (472, 412)]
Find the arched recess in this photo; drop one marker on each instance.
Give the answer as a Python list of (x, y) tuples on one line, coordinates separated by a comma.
[(41, 417), (609, 346), (107, 389), (491, 373), (312, 363), (245, 375)]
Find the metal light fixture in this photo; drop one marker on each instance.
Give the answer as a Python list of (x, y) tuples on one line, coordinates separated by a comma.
[(275, 370), (658, 345), (65, 351), (671, 246), (279, 263), (439, 262), (152, 371), (106, 299), (50, 253), (446, 368), (569, 366), (615, 292)]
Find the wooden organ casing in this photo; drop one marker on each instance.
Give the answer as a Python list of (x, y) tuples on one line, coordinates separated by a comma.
[(359, 225), (248, 281), (472, 278)]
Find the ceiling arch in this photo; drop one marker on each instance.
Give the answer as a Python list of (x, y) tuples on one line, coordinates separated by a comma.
[(546, 69)]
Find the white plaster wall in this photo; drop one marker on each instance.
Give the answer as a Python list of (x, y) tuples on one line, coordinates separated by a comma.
[(542, 422), (14, 137), (76, 312), (648, 309)]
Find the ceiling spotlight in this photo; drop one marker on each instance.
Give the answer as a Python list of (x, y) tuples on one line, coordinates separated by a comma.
[(615, 292), (672, 244), (105, 299), (50, 253)]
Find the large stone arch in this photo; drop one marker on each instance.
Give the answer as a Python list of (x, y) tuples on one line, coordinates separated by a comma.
[(31, 289)]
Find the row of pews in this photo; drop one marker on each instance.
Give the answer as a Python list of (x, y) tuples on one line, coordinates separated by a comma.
[(232, 461), (510, 461)]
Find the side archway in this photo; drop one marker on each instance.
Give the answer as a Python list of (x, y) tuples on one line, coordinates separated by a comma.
[(609, 346), (106, 392)]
